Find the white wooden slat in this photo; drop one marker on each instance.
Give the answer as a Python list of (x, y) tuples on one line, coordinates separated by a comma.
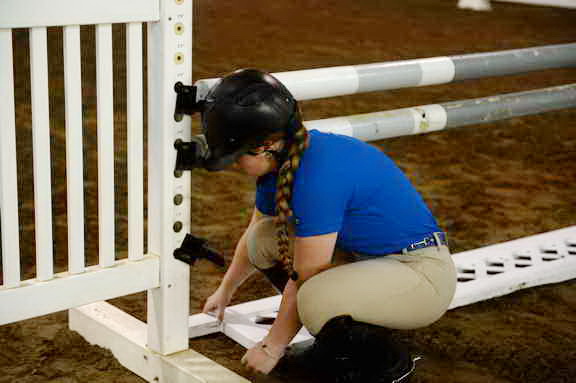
[(43, 13), (67, 290), (8, 170), (135, 118), (41, 142), (74, 156), (105, 110)]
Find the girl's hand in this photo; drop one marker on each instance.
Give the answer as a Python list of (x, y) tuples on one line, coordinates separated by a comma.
[(217, 303), (262, 358)]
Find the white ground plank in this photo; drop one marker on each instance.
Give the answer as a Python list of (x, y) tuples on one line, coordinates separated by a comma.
[(106, 326)]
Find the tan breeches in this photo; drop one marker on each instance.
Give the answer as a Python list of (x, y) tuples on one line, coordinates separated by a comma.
[(393, 291)]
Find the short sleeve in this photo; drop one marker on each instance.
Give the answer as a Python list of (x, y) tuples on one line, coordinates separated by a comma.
[(319, 204), (266, 195)]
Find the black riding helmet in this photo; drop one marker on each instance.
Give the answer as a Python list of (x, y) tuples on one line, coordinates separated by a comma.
[(243, 110)]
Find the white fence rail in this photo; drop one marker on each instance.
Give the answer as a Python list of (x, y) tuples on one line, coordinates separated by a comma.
[(46, 13)]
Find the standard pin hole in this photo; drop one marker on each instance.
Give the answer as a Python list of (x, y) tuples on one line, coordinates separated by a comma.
[(495, 264), (522, 265), (463, 279), (493, 272), (467, 271), (523, 257), (550, 251)]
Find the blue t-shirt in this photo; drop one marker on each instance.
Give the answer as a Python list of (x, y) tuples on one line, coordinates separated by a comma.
[(347, 186)]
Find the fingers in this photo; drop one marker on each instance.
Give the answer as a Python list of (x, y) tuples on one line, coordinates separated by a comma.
[(208, 306)]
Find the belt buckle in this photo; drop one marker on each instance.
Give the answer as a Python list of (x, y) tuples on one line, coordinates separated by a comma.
[(438, 238)]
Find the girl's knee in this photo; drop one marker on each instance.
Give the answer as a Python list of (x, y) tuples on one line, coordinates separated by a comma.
[(261, 243)]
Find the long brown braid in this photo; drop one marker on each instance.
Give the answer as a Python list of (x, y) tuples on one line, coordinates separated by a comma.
[(284, 187)]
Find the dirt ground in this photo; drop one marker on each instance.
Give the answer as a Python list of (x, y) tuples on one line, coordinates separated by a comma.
[(485, 184)]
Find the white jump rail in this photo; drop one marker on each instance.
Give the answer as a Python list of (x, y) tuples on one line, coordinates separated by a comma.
[(484, 273), (311, 84), (485, 5)]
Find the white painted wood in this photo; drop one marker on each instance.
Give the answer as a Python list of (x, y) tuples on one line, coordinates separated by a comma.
[(74, 155), (170, 60), (135, 134), (105, 111), (240, 324), (475, 5), (545, 3), (34, 298), (8, 171), (107, 326), (43, 13), (503, 268), (249, 333), (203, 324), (41, 142)]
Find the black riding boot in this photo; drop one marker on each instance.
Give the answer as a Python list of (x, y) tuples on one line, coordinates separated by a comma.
[(354, 352), (277, 275)]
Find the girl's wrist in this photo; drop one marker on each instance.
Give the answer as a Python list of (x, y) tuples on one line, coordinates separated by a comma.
[(275, 351)]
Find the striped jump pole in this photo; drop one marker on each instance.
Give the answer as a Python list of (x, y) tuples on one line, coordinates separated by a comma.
[(428, 118), (312, 84), (484, 5)]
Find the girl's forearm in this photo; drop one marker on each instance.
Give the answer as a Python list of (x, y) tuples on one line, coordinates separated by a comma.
[(287, 323), (240, 268)]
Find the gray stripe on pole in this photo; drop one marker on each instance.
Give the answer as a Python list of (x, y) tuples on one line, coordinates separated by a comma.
[(515, 61), (380, 125), (373, 77), (427, 118), (490, 109)]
